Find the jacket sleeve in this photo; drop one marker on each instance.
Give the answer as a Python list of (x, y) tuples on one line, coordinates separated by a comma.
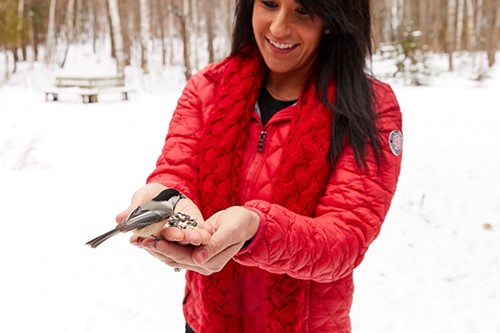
[(177, 165), (347, 219)]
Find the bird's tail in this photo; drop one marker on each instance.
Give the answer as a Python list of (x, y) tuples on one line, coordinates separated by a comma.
[(99, 239)]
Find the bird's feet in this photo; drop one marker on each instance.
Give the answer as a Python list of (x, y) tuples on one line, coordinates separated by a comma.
[(157, 239)]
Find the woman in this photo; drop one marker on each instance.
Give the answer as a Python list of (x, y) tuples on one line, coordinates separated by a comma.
[(289, 155)]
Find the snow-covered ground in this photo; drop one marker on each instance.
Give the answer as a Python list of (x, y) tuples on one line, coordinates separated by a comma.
[(67, 168)]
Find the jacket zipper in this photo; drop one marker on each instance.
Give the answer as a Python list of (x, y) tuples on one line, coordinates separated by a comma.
[(260, 145)]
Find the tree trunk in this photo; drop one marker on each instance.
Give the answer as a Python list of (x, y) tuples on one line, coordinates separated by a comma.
[(479, 19), (172, 14), (145, 34), (460, 24), (493, 41), (424, 13), (229, 20), (15, 57), (192, 23), (126, 33), (450, 32), (161, 12), (68, 26), (31, 35), (112, 33), (186, 50), (51, 34), (95, 24), (437, 31), (6, 74), (20, 27), (208, 9), (117, 37), (78, 30), (471, 35)]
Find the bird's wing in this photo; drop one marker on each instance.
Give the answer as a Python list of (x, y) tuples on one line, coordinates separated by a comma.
[(142, 219)]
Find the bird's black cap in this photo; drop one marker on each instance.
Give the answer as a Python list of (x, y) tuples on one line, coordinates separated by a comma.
[(166, 194)]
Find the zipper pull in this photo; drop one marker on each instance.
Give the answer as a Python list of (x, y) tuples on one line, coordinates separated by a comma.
[(260, 146)]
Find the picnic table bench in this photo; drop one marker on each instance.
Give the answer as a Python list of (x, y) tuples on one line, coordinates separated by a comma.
[(88, 87)]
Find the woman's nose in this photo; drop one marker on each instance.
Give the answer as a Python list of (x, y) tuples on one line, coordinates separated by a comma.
[(280, 24)]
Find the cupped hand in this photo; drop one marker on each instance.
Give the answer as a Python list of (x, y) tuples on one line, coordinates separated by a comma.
[(231, 228), (194, 236)]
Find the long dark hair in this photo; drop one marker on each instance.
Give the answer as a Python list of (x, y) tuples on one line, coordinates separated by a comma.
[(342, 58)]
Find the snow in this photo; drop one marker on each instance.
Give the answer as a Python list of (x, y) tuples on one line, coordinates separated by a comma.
[(66, 170)]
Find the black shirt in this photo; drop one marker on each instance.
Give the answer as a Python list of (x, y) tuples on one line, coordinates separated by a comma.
[(268, 105)]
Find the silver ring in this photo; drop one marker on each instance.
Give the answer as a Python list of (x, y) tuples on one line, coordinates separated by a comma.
[(177, 269)]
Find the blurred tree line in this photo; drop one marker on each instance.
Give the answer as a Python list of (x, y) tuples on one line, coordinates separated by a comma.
[(36, 30)]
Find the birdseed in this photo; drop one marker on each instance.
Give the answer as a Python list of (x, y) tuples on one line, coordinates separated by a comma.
[(182, 221)]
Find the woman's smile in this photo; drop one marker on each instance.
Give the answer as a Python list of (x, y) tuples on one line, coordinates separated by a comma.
[(281, 47)]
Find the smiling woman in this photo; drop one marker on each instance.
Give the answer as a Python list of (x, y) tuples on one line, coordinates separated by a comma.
[(285, 155)]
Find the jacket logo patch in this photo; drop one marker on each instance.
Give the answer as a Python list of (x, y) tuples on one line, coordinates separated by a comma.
[(396, 142)]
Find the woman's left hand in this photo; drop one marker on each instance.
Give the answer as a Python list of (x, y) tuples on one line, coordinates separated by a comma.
[(232, 228)]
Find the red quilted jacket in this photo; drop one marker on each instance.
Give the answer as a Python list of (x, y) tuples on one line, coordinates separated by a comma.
[(323, 249)]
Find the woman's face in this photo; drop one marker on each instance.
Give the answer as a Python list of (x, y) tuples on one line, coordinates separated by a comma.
[(287, 36)]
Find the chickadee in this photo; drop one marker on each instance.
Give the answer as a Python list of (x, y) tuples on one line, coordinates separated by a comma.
[(146, 219)]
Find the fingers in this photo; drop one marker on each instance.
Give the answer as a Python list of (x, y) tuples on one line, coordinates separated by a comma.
[(214, 262), (221, 247), (172, 254), (197, 236)]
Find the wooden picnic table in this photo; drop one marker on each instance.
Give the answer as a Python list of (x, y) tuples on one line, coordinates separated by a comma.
[(88, 87)]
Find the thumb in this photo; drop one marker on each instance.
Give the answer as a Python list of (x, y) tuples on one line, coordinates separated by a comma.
[(137, 199), (147, 192), (122, 215)]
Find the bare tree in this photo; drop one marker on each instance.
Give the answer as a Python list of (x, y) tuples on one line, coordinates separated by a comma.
[(182, 14), (51, 34), (493, 33), (31, 33), (20, 28), (161, 13), (69, 28), (460, 24), (117, 36), (450, 32), (145, 34), (209, 25), (471, 35), (79, 17)]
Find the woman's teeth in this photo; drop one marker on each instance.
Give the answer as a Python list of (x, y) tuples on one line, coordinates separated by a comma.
[(281, 45)]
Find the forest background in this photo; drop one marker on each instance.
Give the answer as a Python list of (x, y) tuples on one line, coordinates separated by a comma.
[(433, 269), (192, 33)]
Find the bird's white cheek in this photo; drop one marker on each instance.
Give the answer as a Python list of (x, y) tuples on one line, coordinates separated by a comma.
[(150, 229)]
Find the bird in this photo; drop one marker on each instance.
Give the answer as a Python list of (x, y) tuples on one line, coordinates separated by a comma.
[(146, 219)]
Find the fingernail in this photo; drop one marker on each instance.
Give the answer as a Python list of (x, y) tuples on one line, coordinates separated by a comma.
[(203, 255), (139, 241)]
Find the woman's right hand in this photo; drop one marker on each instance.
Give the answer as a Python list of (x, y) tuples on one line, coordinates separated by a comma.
[(198, 236), (145, 193)]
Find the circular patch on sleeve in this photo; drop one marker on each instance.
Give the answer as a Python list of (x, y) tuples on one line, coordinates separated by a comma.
[(396, 142)]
